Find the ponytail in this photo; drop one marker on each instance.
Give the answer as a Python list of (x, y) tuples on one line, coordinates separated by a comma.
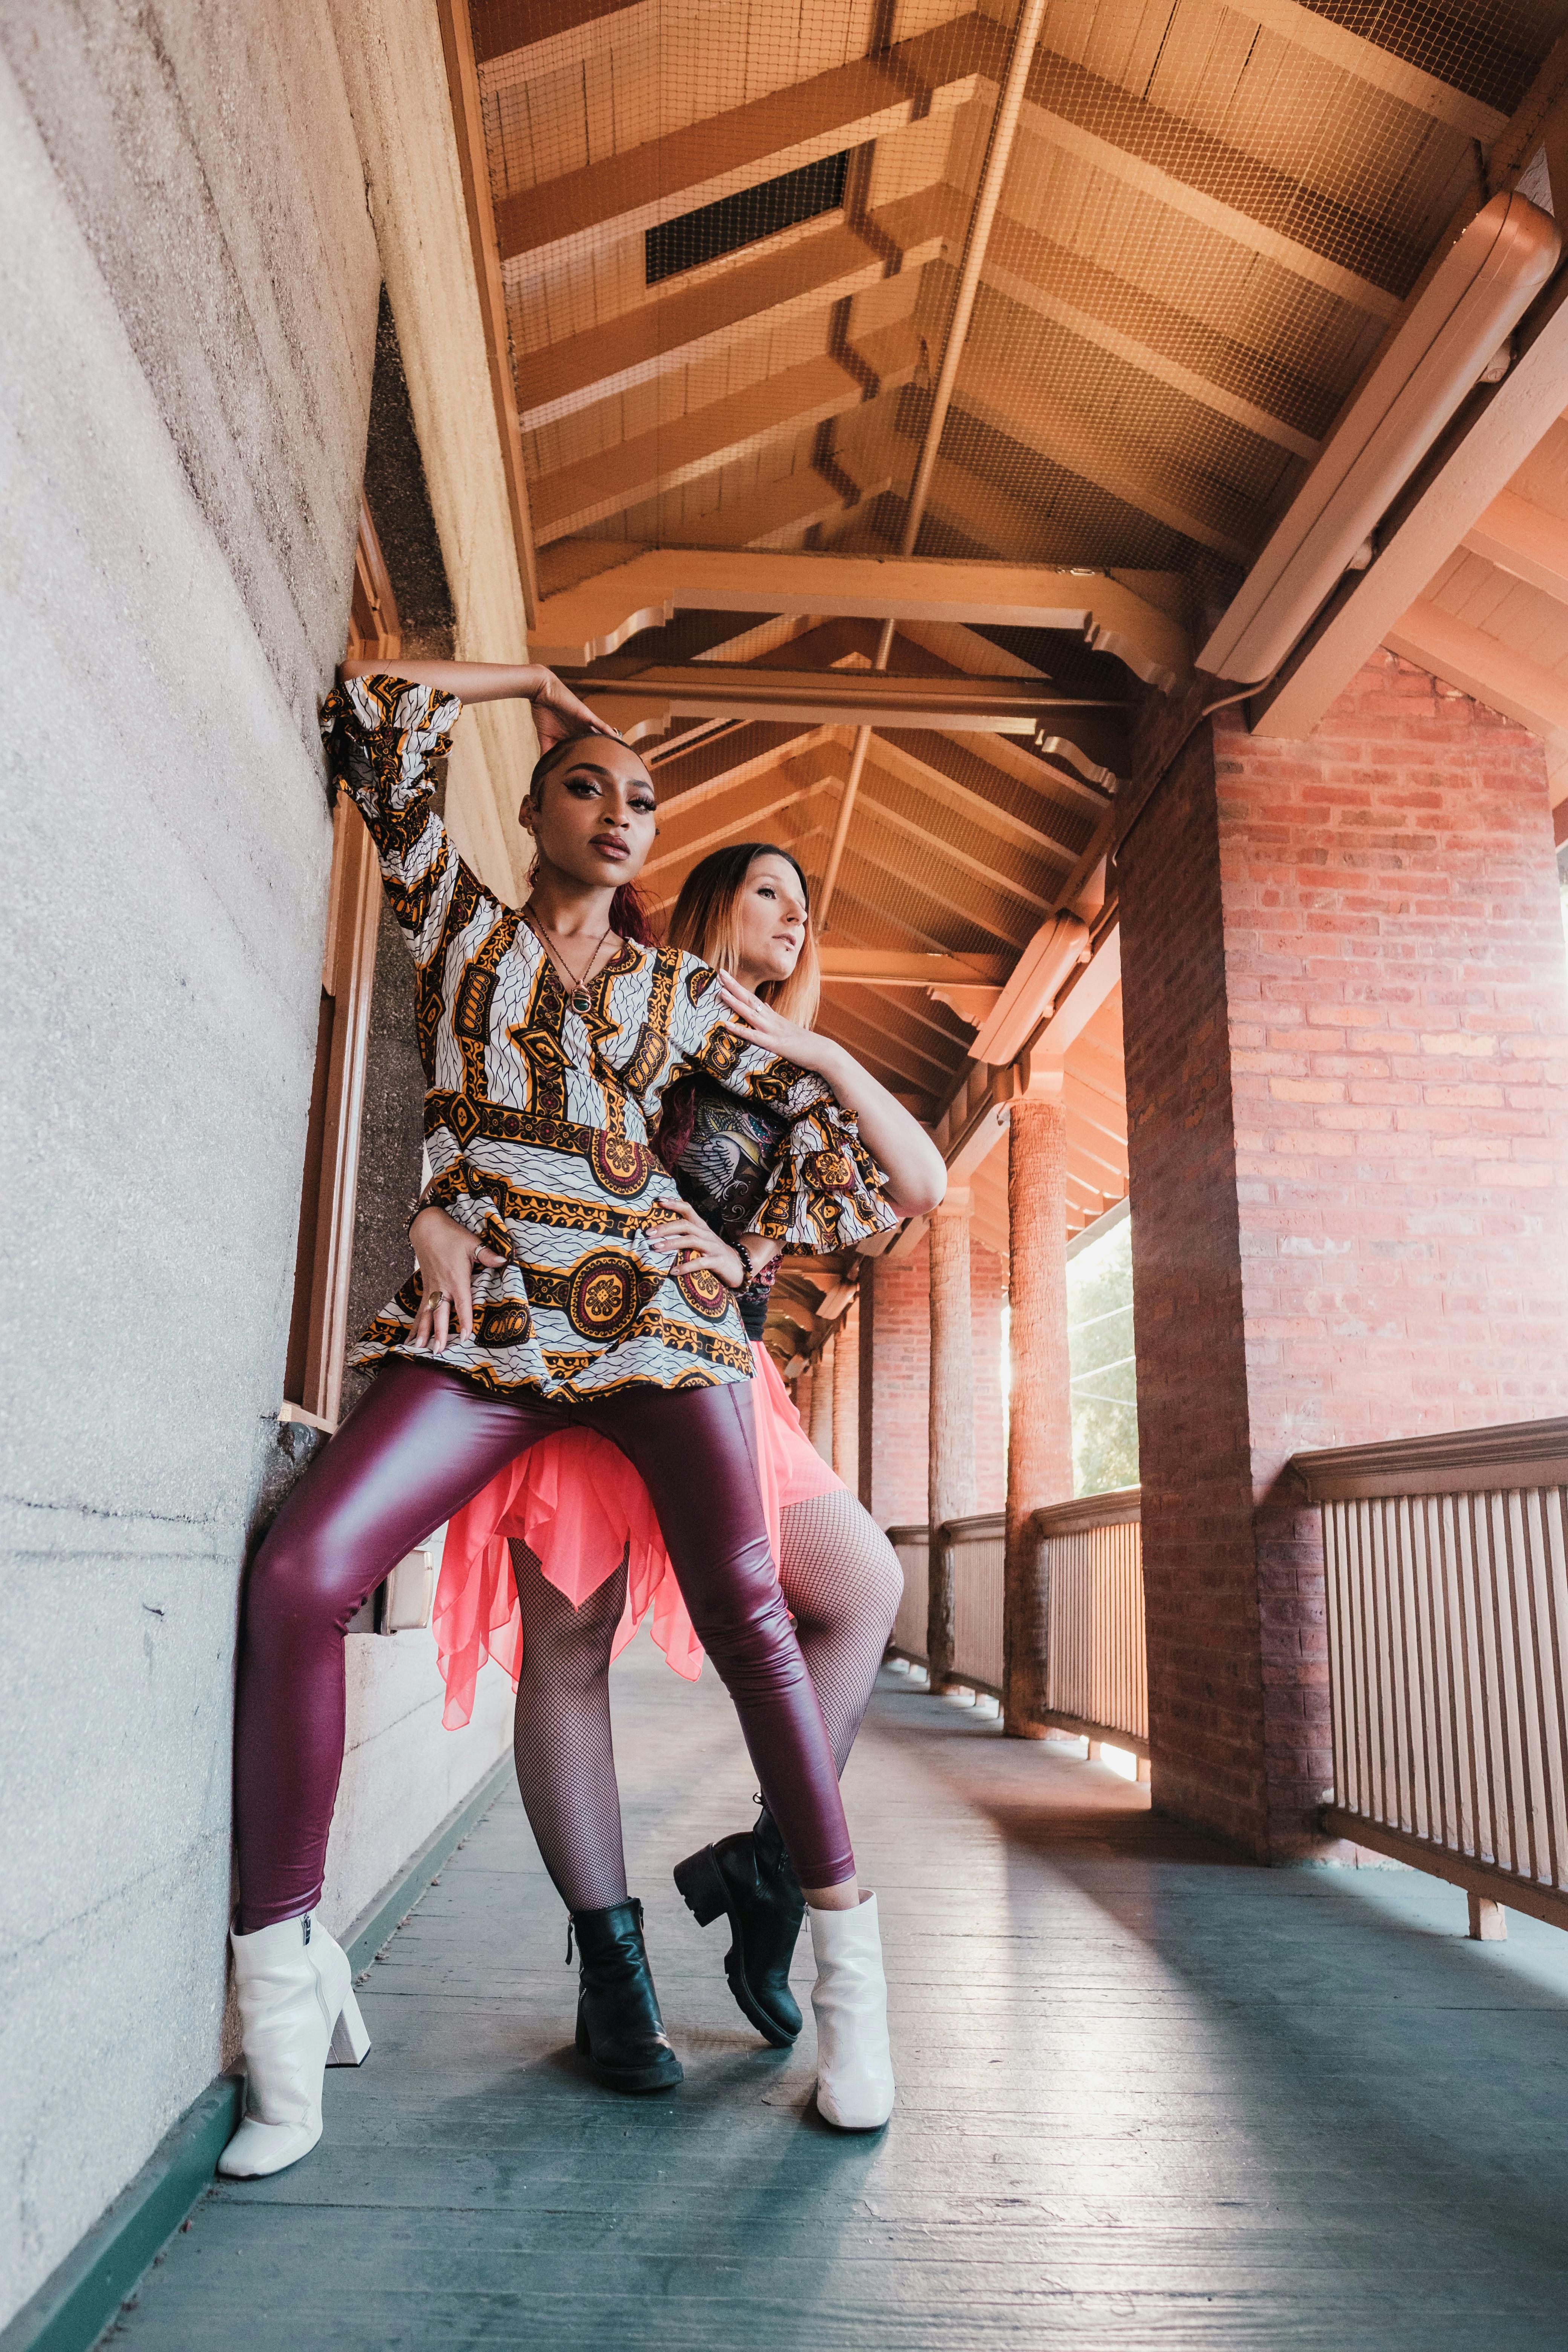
[(632, 915)]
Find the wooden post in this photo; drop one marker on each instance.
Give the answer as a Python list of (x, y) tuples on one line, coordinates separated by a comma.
[(821, 1423), (951, 1476), (846, 1399), (1489, 1921), (1039, 1420)]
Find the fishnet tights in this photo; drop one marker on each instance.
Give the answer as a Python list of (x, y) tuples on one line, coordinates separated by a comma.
[(842, 1581), (565, 1758)]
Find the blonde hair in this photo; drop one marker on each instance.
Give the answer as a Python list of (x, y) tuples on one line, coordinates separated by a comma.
[(706, 923)]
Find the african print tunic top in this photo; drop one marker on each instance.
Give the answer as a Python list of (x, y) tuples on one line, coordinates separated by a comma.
[(537, 1116)]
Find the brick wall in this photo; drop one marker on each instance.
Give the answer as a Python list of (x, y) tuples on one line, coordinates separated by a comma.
[(895, 1322), (1347, 1062), (988, 1292), (895, 1357)]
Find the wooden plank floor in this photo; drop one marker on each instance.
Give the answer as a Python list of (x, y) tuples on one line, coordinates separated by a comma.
[(1148, 2097)]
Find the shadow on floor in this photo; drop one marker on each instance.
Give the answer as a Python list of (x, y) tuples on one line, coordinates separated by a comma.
[(1149, 2096)]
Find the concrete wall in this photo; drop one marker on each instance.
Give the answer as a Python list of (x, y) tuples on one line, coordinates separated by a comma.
[(201, 206)]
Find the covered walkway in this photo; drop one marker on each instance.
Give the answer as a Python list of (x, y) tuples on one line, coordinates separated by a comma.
[(1148, 2096)]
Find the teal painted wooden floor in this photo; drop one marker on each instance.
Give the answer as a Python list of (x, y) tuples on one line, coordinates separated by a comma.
[(1147, 2097)]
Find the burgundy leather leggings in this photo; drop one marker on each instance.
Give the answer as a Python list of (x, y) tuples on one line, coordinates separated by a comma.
[(421, 1442)]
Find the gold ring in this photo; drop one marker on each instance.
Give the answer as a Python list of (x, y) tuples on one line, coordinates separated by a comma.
[(436, 1298)]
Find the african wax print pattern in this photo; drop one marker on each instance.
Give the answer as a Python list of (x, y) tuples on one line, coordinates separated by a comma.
[(537, 1116)]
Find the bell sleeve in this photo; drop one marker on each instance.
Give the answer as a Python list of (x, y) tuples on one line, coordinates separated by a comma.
[(823, 1191), (386, 742)]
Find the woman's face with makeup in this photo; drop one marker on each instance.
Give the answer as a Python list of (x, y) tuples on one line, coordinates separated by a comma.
[(594, 819)]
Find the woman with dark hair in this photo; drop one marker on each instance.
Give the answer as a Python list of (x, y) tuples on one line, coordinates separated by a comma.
[(554, 1298), (569, 1531)]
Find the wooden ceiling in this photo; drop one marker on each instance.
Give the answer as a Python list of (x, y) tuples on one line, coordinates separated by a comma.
[(1208, 213)]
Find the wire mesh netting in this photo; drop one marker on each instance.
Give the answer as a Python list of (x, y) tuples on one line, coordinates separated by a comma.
[(732, 241), (1097, 274)]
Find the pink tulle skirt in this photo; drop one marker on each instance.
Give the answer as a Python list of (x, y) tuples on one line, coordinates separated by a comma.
[(581, 1508)]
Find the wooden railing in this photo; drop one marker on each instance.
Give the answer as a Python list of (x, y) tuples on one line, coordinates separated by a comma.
[(976, 1553), (1097, 1676), (1092, 1576), (908, 1638), (1446, 1563)]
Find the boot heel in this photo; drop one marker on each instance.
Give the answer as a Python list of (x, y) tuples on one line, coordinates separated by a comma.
[(702, 1886), (349, 2044)]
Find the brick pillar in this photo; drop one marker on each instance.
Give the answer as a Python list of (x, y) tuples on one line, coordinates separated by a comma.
[(866, 1383), (821, 1422), (895, 1344), (1040, 1425), (1347, 1080), (846, 1399), (950, 1479), (987, 1291)]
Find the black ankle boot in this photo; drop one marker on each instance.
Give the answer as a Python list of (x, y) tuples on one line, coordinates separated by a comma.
[(751, 1876), (619, 2030)]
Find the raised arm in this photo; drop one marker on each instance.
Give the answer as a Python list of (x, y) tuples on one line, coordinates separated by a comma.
[(910, 1161), (557, 712)]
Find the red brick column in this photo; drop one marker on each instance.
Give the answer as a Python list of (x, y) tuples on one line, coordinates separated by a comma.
[(987, 1294), (895, 1345), (1347, 1076), (819, 1428), (951, 1488), (846, 1399), (1039, 1433)]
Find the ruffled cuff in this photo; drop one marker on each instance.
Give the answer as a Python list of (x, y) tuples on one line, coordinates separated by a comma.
[(382, 737), (467, 1202), (825, 1191)]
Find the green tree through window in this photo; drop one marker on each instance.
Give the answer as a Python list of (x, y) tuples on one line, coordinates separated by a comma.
[(1101, 1361)]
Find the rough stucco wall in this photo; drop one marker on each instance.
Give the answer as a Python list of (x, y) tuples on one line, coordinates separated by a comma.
[(190, 281), (156, 760)]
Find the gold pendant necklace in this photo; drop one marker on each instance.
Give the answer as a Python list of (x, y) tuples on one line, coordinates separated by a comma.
[(581, 998)]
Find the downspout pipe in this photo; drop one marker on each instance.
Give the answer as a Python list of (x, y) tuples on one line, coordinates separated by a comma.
[(988, 195)]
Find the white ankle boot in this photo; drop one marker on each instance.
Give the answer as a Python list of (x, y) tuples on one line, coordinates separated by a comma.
[(854, 2064), (300, 2016)]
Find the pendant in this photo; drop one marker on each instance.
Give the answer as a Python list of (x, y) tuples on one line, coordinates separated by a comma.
[(581, 999)]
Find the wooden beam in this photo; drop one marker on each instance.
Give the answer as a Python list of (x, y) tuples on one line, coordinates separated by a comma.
[(1003, 386), (627, 473), (1448, 499), (845, 698), (876, 788), (973, 897), (503, 28), (1496, 673), (1358, 55), (468, 123), (673, 329), (975, 808), (886, 968), (1160, 337), (594, 619), (1524, 540), (1192, 171), (1018, 783), (779, 514), (926, 1070), (689, 832), (719, 154), (689, 318)]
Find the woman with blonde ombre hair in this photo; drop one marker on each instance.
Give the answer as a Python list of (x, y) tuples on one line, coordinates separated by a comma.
[(553, 1568)]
